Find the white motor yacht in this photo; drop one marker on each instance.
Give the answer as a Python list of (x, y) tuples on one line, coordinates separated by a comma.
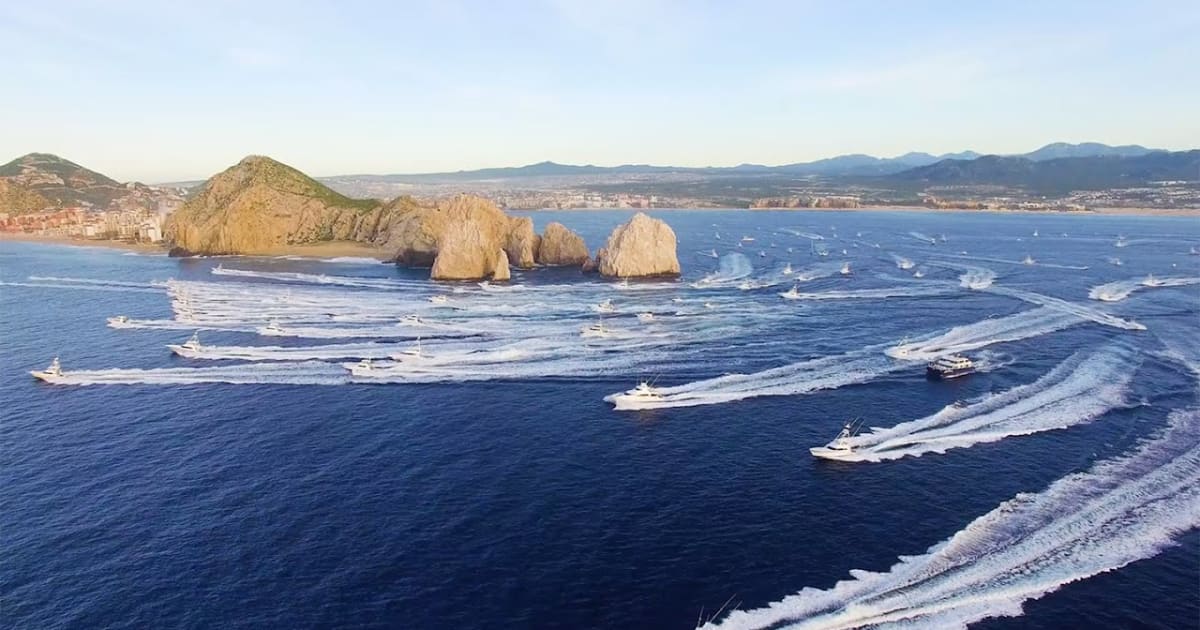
[(791, 294), (787, 269), (594, 330), (120, 321), (845, 270), (918, 274), (189, 348), (1028, 260), (841, 447), (365, 367), (634, 398), (714, 254), (1151, 281), (52, 374), (411, 353), (606, 307), (747, 239), (273, 328)]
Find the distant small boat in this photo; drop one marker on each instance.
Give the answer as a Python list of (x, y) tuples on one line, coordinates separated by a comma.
[(709, 305), (791, 294), (412, 319), (718, 236), (1035, 232), (787, 269), (365, 367), (594, 330), (189, 348), (845, 270), (918, 274), (1115, 261), (1121, 242), (1151, 281), (1193, 251), (942, 237), (747, 239), (714, 254), (52, 374), (413, 352), (762, 254), (273, 327), (842, 446), (1028, 260), (606, 307), (645, 318), (438, 299), (118, 321)]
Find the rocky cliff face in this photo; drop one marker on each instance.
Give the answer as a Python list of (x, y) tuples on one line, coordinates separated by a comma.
[(17, 199), (640, 247), (459, 238), (259, 206), (561, 246)]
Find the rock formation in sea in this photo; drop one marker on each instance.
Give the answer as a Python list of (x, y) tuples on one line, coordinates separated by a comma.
[(501, 271), (459, 238), (640, 247), (561, 246), (260, 206)]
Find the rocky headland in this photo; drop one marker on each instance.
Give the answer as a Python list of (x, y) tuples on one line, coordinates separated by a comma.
[(260, 206)]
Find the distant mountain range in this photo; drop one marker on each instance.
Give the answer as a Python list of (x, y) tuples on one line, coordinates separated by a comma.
[(840, 166)]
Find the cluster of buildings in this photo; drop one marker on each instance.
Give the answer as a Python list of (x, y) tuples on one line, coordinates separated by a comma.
[(126, 224)]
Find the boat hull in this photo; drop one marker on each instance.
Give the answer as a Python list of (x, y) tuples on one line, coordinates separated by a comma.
[(46, 377), (822, 452)]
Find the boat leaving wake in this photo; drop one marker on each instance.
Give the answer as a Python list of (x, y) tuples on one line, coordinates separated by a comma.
[(1124, 509), (1121, 289), (304, 373), (1023, 325), (1079, 390)]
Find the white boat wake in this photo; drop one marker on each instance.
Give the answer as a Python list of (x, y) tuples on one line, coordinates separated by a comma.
[(305, 373), (1079, 390), (1121, 289), (1124, 509), (731, 269), (867, 294), (1080, 310), (1023, 325)]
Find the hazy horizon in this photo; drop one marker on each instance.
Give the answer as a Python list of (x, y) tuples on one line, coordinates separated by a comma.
[(157, 93)]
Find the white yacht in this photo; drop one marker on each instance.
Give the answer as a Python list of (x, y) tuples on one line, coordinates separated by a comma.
[(762, 254), (634, 398), (1121, 242), (594, 330), (949, 366), (841, 447), (606, 307), (365, 367), (1035, 232), (845, 271), (438, 299), (709, 305), (918, 274), (189, 348), (645, 318), (714, 254), (52, 374), (273, 327), (119, 321), (787, 269), (718, 235), (791, 294), (747, 239), (1028, 260), (1151, 281), (410, 353)]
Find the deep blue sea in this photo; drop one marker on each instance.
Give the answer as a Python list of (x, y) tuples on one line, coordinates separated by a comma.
[(489, 484)]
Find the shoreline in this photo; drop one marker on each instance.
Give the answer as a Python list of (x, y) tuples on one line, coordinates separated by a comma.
[(337, 249), (1123, 211)]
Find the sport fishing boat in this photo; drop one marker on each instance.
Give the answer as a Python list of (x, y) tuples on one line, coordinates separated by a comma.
[(949, 366), (118, 321), (597, 329), (1028, 260), (364, 367), (52, 374), (747, 239), (791, 294), (646, 317), (1151, 281), (918, 274), (787, 269), (189, 348), (643, 393), (438, 299), (412, 319), (845, 270), (606, 307), (842, 446), (411, 353), (273, 328)]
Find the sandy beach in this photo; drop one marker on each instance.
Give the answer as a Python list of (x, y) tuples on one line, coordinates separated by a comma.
[(336, 249)]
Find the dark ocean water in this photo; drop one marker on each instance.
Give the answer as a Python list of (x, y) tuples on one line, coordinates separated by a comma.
[(176, 492)]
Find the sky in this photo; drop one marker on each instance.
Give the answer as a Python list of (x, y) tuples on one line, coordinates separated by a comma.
[(159, 90)]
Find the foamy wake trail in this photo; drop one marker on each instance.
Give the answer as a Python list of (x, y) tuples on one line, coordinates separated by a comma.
[(808, 235), (817, 271), (1121, 289), (301, 353), (868, 294), (1024, 325), (1022, 263), (1079, 390), (902, 262), (320, 278), (804, 377), (1079, 310), (91, 281), (923, 237), (1122, 510), (731, 269), (305, 373), (80, 286)]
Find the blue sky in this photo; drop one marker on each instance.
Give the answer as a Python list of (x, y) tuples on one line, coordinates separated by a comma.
[(161, 90)]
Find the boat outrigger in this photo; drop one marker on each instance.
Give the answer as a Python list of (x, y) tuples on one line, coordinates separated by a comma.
[(949, 366), (842, 446), (52, 374)]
